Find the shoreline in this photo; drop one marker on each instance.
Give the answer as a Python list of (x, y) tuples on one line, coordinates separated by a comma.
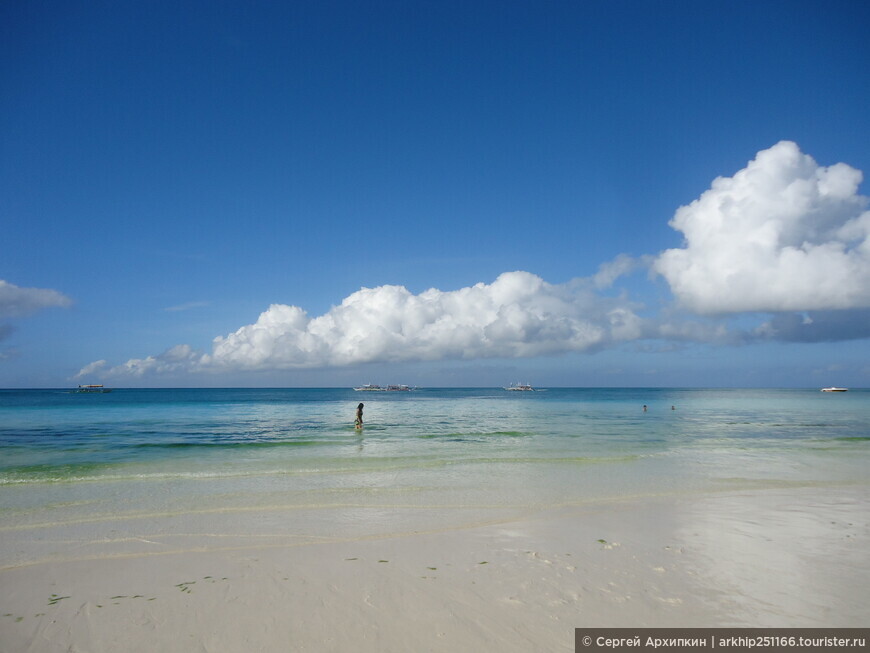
[(517, 581)]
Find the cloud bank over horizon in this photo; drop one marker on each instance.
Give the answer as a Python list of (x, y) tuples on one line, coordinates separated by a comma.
[(518, 315), (783, 236)]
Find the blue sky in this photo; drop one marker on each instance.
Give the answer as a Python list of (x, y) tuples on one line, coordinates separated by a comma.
[(434, 193)]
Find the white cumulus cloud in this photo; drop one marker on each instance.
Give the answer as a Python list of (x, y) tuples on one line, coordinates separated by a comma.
[(518, 315), (783, 234), (91, 368), (181, 358)]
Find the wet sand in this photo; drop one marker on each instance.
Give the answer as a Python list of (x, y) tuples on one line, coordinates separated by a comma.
[(491, 581)]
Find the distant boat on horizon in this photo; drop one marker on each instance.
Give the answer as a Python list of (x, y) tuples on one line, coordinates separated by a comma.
[(93, 388), (835, 389), (369, 387), (520, 387)]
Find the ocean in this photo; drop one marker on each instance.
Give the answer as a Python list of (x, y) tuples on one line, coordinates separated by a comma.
[(430, 458)]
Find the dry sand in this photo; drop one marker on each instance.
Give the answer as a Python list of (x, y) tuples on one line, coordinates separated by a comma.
[(769, 557)]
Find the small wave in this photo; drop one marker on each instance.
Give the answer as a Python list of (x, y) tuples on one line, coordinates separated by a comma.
[(236, 444), (462, 437), (13, 479), (573, 460)]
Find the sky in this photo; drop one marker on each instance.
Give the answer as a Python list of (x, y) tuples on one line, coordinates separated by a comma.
[(434, 193)]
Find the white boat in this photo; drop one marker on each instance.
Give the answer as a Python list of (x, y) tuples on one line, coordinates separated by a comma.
[(833, 389), (92, 388), (520, 387), (370, 387)]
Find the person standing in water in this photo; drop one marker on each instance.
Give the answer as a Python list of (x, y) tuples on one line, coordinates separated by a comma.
[(359, 421)]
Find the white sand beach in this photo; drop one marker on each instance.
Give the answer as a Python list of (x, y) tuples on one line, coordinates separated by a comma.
[(220, 581)]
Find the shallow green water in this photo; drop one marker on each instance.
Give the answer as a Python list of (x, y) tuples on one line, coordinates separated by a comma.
[(67, 456)]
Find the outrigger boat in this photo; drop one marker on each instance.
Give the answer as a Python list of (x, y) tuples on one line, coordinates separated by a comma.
[(368, 387), (520, 387), (92, 388)]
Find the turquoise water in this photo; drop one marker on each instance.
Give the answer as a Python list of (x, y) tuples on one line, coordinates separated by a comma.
[(68, 457), (54, 436)]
